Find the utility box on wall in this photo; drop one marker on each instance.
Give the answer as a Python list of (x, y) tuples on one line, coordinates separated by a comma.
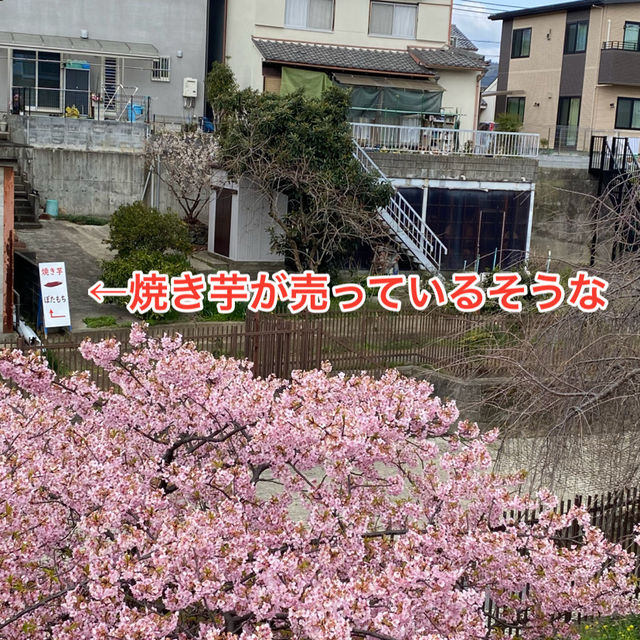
[(190, 88)]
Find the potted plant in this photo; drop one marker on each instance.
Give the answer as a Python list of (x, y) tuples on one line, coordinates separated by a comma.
[(3, 122)]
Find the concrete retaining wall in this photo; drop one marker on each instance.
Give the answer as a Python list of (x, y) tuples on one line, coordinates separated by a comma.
[(563, 201), (416, 166), (78, 134)]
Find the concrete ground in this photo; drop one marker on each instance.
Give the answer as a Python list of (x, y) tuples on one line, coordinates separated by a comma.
[(82, 249)]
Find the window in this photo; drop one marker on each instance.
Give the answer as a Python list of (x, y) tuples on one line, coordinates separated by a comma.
[(36, 78), (575, 39), (516, 105), (393, 19), (632, 36), (309, 14), (628, 113), (567, 128), (161, 70), (521, 43)]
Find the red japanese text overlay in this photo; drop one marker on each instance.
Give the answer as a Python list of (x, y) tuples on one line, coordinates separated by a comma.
[(312, 292)]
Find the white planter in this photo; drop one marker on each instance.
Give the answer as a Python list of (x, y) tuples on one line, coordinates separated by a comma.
[(3, 125)]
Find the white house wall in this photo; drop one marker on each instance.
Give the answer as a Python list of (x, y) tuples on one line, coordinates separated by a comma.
[(265, 19), (462, 95)]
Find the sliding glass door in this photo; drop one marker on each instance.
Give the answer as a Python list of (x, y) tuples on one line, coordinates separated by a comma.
[(36, 78)]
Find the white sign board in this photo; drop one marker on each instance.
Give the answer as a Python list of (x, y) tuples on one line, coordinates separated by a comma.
[(55, 299)]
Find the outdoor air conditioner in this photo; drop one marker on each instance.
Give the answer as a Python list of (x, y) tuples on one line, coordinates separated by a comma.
[(190, 88)]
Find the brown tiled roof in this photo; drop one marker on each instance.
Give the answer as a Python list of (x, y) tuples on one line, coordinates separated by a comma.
[(341, 57)]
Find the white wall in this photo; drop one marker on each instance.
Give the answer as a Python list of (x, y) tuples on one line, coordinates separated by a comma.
[(461, 95), (250, 222), (489, 114)]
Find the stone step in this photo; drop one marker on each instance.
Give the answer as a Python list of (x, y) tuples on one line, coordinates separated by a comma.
[(28, 225)]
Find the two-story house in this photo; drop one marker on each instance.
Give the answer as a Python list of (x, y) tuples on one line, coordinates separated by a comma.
[(405, 62), (571, 69)]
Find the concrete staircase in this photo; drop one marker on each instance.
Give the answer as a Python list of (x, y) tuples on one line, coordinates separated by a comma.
[(25, 205)]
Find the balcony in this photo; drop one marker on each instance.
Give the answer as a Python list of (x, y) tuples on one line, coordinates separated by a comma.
[(436, 141), (619, 63)]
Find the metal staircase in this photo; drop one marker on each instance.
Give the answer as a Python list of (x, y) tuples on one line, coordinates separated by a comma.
[(406, 225), (617, 168)]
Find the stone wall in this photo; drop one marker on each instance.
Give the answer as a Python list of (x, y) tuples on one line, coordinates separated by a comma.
[(78, 134), (563, 200), (415, 166)]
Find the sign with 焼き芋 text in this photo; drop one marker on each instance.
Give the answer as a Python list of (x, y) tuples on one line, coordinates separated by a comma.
[(55, 299)]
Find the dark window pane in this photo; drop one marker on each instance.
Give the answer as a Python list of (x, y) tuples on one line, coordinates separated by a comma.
[(521, 43), (20, 54), (24, 73), (623, 116)]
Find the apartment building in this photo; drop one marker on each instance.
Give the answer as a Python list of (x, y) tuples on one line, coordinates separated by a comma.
[(571, 69), (405, 61)]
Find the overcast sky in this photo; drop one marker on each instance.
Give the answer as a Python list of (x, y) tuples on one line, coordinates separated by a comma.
[(472, 18)]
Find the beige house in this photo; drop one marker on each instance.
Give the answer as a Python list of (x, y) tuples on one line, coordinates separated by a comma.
[(405, 61), (571, 70)]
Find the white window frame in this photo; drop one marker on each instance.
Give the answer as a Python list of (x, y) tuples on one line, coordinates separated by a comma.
[(390, 35), (307, 27), (161, 69)]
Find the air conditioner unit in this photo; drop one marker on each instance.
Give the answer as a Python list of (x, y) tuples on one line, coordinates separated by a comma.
[(190, 88)]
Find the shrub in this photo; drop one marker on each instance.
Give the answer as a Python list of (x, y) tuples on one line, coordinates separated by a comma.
[(100, 321), (508, 122), (136, 227), (116, 272)]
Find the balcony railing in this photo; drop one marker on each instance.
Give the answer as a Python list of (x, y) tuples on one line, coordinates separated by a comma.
[(119, 105), (446, 141), (621, 46)]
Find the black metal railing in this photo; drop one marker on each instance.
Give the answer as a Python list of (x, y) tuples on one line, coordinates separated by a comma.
[(621, 46)]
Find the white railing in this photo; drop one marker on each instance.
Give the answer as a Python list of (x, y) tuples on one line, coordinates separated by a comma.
[(407, 225), (446, 141)]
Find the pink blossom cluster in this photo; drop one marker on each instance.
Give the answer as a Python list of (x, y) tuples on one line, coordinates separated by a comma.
[(196, 501)]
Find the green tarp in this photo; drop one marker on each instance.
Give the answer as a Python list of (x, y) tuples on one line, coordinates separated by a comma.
[(313, 82), (364, 99)]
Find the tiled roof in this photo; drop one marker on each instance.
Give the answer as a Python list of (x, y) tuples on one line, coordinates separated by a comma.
[(459, 40), (490, 76), (341, 57), (448, 58)]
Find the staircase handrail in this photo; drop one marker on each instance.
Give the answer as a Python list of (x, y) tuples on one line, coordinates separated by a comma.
[(420, 239)]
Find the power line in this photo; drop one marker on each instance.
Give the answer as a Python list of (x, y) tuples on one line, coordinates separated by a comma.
[(490, 4)]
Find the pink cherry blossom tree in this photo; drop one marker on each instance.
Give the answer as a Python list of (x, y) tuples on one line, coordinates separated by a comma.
[(195, 501)]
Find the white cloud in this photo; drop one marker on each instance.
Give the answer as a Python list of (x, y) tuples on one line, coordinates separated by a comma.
[(484, 33)]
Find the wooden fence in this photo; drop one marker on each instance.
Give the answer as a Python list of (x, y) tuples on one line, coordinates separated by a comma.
[(615, 513), (278, 344), (372, 341)]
